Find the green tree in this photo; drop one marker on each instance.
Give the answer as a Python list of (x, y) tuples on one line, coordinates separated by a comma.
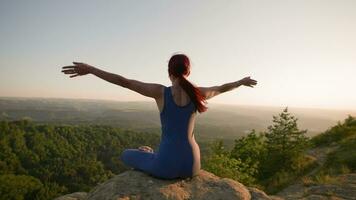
[(337, 133), (218, 148), (19, 187), (284, 143), (221, 163), (249, 149)]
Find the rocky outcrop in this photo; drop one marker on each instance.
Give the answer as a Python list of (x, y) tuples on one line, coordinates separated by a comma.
[(334, 187), (137, 185), (342, 187)]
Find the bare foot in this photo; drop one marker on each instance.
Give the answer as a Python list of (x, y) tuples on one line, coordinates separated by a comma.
[(146, 148)]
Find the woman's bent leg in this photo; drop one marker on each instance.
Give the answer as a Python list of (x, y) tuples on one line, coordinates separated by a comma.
[(141, 160)]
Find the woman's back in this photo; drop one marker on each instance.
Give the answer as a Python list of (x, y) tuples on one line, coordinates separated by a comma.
[(176, 118), (177, 125)]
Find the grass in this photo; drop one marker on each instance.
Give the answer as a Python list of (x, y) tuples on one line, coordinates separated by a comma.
[(283, 179)]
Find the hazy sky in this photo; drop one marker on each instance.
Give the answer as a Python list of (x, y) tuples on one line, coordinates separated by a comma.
[(301, 52)]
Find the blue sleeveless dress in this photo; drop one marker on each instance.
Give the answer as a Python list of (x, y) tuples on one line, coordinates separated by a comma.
[(174, 158)]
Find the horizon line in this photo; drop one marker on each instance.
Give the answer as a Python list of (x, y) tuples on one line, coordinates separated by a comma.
[(222, 104)]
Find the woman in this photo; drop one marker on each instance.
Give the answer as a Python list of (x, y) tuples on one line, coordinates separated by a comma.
[(179, 154)]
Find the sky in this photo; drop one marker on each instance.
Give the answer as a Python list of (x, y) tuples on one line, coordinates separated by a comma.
[(301, 52)]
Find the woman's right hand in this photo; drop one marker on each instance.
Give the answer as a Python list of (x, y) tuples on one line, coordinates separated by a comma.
[(247, 81), (145, 148), (78, 69)]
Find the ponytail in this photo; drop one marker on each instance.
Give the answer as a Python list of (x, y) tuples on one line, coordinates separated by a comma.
[(194, 93), (178, 66)]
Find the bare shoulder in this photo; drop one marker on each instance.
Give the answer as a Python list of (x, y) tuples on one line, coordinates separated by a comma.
[(209, 92), (147, 89), (160, 98)]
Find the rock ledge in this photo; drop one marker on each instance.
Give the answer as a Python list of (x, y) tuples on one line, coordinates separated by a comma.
[(137, 185)]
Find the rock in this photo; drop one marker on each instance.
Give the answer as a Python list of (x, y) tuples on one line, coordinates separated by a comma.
[(73, 196), (137, 185), (344, 191), (258, 194), (343, 187)]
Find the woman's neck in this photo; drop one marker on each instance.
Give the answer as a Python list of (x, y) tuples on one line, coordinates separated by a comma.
[(175, 83)]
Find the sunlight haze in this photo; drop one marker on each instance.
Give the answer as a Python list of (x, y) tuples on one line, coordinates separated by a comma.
[(302, 52)]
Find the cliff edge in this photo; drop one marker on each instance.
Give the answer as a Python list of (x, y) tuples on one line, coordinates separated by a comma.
[(137, 185)]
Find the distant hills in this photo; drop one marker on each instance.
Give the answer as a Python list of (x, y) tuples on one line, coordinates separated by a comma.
[(221, 121)]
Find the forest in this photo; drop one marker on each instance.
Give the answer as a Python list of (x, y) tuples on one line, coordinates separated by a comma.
[(39, 161)]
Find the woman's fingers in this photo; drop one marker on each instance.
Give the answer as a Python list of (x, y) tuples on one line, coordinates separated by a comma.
[(69, 67), (145, 148), (247, 81), (74, 75), (252, 81), (69, 71)]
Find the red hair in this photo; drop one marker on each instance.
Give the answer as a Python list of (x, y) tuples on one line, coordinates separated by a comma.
[(178, 66)]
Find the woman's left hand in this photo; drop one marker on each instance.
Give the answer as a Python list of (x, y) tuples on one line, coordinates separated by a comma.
[(247, 81)]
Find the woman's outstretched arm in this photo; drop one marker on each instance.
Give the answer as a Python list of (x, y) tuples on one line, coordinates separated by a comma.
[(147, 89), (210, 92)]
